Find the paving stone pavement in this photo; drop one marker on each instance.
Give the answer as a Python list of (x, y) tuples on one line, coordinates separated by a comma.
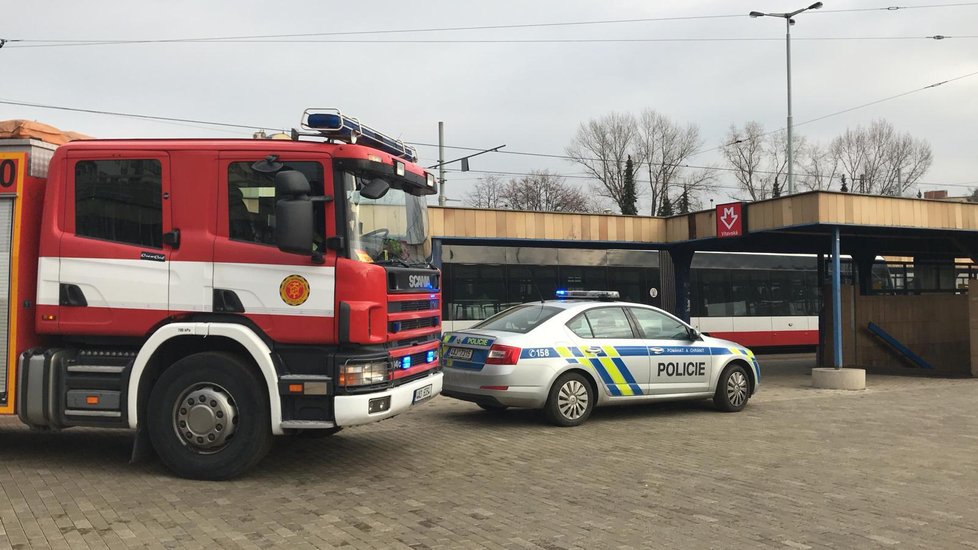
[(896, 465)]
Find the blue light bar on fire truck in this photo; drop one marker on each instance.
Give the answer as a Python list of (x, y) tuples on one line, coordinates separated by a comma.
[(588, 294), (332, 124)]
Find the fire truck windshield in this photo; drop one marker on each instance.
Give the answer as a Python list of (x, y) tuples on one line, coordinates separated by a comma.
[(390, 229)]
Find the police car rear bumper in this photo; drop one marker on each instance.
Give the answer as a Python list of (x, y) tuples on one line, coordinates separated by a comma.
[(510, 397), (512, 386), (353, 410)]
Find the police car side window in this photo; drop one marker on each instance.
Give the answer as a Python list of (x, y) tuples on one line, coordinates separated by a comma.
[(657, 326), (579, 326), (609, 322)]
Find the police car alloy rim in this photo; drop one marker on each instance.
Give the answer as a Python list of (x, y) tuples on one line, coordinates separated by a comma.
[(737, 388), (572, 400)]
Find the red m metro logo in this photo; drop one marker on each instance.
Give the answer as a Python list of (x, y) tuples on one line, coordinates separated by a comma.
[(730, 219)]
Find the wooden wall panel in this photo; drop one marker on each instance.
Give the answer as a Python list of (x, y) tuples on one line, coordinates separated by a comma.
[(804, 209)]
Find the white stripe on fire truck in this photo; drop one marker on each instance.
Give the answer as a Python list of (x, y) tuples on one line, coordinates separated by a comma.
[(184, 286)]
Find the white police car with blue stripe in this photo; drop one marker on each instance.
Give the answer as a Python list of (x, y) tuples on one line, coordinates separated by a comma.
[(583, 350)]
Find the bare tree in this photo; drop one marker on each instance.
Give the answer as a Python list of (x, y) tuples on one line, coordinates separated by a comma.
[(744, 150), (665, 147), (601, 147), (775, 165), (879, 160), (486, 193), (544, 191), (818, 168)]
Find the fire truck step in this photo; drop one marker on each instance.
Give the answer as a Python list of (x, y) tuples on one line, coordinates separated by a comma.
[(307, 424)]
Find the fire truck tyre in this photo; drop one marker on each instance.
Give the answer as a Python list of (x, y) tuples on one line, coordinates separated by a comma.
[(208, 417), (733, 389), (492, 407), (571, 400)]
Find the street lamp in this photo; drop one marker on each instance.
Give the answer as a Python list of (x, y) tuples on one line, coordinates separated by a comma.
[(788, 23)]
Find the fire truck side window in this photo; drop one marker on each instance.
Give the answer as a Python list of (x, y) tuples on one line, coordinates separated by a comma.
[(251, 200), (120, 200)]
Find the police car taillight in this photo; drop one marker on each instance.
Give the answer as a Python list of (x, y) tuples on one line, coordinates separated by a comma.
[(503, 355)]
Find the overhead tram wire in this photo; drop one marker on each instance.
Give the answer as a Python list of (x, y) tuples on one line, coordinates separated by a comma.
[(29, 43), (135, 115), (504, 40), (461, 148), (696, 153)]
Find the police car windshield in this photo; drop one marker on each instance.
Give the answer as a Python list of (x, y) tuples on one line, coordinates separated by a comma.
[(520, 319)]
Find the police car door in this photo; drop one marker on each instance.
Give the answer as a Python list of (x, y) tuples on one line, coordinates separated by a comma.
[(678, 364), (607, 344)]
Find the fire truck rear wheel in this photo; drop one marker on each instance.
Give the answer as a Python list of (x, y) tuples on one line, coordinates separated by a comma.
[(208, 417)]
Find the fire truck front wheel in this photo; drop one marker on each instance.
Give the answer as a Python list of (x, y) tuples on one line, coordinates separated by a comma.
[(208, 417)]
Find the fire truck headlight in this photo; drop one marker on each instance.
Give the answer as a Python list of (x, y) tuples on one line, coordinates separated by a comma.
[(363, 374)]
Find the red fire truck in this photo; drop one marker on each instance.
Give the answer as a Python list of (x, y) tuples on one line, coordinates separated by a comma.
[(210, 294)]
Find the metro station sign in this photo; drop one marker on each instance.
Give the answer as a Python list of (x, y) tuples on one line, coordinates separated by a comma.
[(731, 220)]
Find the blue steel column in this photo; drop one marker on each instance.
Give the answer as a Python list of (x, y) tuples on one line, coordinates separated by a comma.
[(836, 300)]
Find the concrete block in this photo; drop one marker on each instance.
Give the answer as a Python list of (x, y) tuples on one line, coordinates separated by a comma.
[(839, 379)]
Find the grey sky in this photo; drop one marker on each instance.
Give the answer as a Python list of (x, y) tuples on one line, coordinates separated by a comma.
[(530, 96)]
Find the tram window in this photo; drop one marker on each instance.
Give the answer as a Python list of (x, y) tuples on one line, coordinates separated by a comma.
[(711, 293), (741, 294), (527, 283), (479, 292), (628, 282), (583, 278)]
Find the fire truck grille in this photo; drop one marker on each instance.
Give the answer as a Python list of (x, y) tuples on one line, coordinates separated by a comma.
[(417, 341), (413, 324), (412, 305)]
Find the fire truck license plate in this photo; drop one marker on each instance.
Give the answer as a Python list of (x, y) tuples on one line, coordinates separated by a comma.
[(459, 353), (421, 394)]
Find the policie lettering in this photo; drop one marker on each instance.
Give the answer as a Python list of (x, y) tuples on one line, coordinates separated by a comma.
[(682, 369), (8, 172)]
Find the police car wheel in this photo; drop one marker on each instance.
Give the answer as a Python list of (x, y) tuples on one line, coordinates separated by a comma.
[(733, 389), (491, 407), (571, 400)]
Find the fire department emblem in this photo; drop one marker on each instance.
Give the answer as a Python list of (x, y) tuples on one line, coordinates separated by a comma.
[(294, 290)]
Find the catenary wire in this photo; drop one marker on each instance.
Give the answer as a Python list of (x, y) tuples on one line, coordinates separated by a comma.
[(479, 27), (516, 41)]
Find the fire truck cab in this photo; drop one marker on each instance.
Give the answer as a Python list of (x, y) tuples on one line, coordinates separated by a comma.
[(213, 293)]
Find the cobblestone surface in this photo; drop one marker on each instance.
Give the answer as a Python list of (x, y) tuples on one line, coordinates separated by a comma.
[(799, 468)]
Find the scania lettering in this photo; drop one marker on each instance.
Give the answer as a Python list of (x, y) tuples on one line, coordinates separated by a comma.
[(211, 294), (419, 281)]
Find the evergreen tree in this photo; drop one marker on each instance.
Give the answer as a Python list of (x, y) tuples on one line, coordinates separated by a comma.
[(776, 189), (844, 188), (666, 208), (684, 201), (628, 197)]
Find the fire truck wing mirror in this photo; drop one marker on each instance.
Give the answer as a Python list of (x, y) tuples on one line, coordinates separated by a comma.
[(376, 189), (291, 184), (294, 225)]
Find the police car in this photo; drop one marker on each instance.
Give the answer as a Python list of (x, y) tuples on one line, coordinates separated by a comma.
[(586, 349)]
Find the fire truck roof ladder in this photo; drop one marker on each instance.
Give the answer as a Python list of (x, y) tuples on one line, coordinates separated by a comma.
[(332, 124)]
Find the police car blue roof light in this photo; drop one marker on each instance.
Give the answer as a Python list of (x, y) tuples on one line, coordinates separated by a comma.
[(589, 294), (333, 124)]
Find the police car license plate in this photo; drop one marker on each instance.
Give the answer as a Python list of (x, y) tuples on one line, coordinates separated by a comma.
[(421, 394), (459, 353)]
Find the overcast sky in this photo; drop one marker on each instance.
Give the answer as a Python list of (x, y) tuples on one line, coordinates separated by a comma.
[(529, 96)]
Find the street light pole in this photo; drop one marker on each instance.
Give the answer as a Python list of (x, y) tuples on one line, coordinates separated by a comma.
[(788, 22), (791, 156)]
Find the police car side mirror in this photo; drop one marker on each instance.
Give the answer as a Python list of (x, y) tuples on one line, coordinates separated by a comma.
[(693, 333)]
